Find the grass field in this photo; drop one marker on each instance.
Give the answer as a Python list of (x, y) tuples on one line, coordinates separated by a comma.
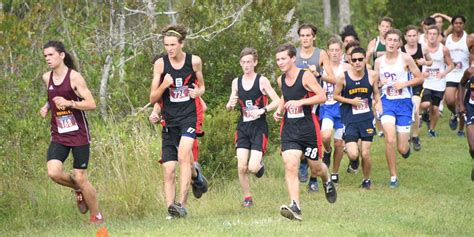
[(435, 197)]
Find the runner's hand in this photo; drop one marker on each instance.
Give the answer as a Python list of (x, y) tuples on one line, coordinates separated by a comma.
[(61, 103), (277, 116), (154, 117), (357, 101), (292, 103), (167, 81), (44, 111), (232, 102)]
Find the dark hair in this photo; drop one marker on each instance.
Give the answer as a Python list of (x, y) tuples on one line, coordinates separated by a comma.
[(287, 47), (249, 51), (429, 21), (411, 27), (313, 28), (456, 17), (59, 46), (178, 31), (349, 30), (352, 44), (358, 50), (386, 19)]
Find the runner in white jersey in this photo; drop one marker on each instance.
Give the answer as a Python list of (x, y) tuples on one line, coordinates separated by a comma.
[(397, 106), (435, 82), (458, 44), (329, 112)]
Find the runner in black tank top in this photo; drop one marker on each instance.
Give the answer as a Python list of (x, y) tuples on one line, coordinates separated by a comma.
[(355, 90), (68, 98), (300, 128), (467, 107), (250, 92), (177, 84)]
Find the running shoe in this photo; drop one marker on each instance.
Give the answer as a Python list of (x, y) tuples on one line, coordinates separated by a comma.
[(330, 191), (394, 182), (303, 172), (461, 134), (261, 171), (176, 210), (81, 203), (366, 184), (199, 183), (432, 133), (335, 178), (353, 167), (292, 212), (313, 185), (453, 122), (416, 143), (96, 219), (247, 203)]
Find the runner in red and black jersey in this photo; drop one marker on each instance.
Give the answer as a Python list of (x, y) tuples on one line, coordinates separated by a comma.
[(299, 128), (177, 83), (251, 92), (68, 98)]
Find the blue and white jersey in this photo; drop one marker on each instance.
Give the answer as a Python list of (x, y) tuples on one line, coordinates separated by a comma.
[(390, 74), (329, 87)]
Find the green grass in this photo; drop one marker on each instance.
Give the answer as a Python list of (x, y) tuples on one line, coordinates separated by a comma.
[(435, 197)]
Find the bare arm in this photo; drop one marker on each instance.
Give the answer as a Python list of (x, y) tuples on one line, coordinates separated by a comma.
[(197, 66), (157, 89), (417, 77), (278, 115), (311, 85), (80, 88), (234, 97), (370, 51), (267, 89), (44, 110), (374, 78), (449, 62), (427, 60), (329, 76), (340, 83)]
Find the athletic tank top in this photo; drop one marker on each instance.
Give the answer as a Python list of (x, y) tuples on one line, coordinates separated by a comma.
[(379, 47), (431, 82), (418, 54), (303, 63), (469, 99), (68, 126), (297, 91), (361, 88), (460, 54), (251, 99), (329, 88), (178, 106), (393, 73)]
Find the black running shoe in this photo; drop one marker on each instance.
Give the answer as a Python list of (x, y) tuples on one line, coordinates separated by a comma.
[(327, 158), (416, 143), (291, 212), (176, 210), (366, 184), (261, 171), (199, 183), (330, 191), (247, 203), (335, 178), (353, 167), (453, 122)]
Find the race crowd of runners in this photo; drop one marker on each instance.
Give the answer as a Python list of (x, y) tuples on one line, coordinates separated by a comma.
[(329, 102)]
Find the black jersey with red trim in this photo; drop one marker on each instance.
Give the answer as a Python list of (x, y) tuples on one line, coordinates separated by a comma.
[(250, 100), (178, 107), (298, 123)]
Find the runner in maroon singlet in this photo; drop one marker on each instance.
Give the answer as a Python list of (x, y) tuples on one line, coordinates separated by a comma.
[(68, 98)]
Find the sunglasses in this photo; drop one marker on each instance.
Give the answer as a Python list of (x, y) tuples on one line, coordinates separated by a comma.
[(357, 59)]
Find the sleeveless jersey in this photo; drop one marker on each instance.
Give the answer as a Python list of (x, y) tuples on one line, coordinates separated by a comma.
[(69, 126), (329, 88), (250, 99), (469, 99), (393, 73), (379, 47), (460, 55), (178, 108), (361, 88), (418, 54), (438, 65), (298, 122), (303, 63)]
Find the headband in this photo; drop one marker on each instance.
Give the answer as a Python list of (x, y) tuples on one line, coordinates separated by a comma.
[(174, 32)]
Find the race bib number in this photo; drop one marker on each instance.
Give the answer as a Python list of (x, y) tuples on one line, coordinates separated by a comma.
[(66, 123), (432, 73), (247, 111), (179, 94), (295, 112), (362, 108), (391, 91)]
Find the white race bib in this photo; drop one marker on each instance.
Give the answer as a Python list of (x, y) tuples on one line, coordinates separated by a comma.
[(179, 94), (362, 108), (66, 123), (295, 112)]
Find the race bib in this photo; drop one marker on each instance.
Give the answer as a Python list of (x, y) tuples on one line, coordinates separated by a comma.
[(295, 112), (433, 72), (179, 94), (457, 66), (66, 123), (329, 97), (391, 91), (362, 108), (247, 111)]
